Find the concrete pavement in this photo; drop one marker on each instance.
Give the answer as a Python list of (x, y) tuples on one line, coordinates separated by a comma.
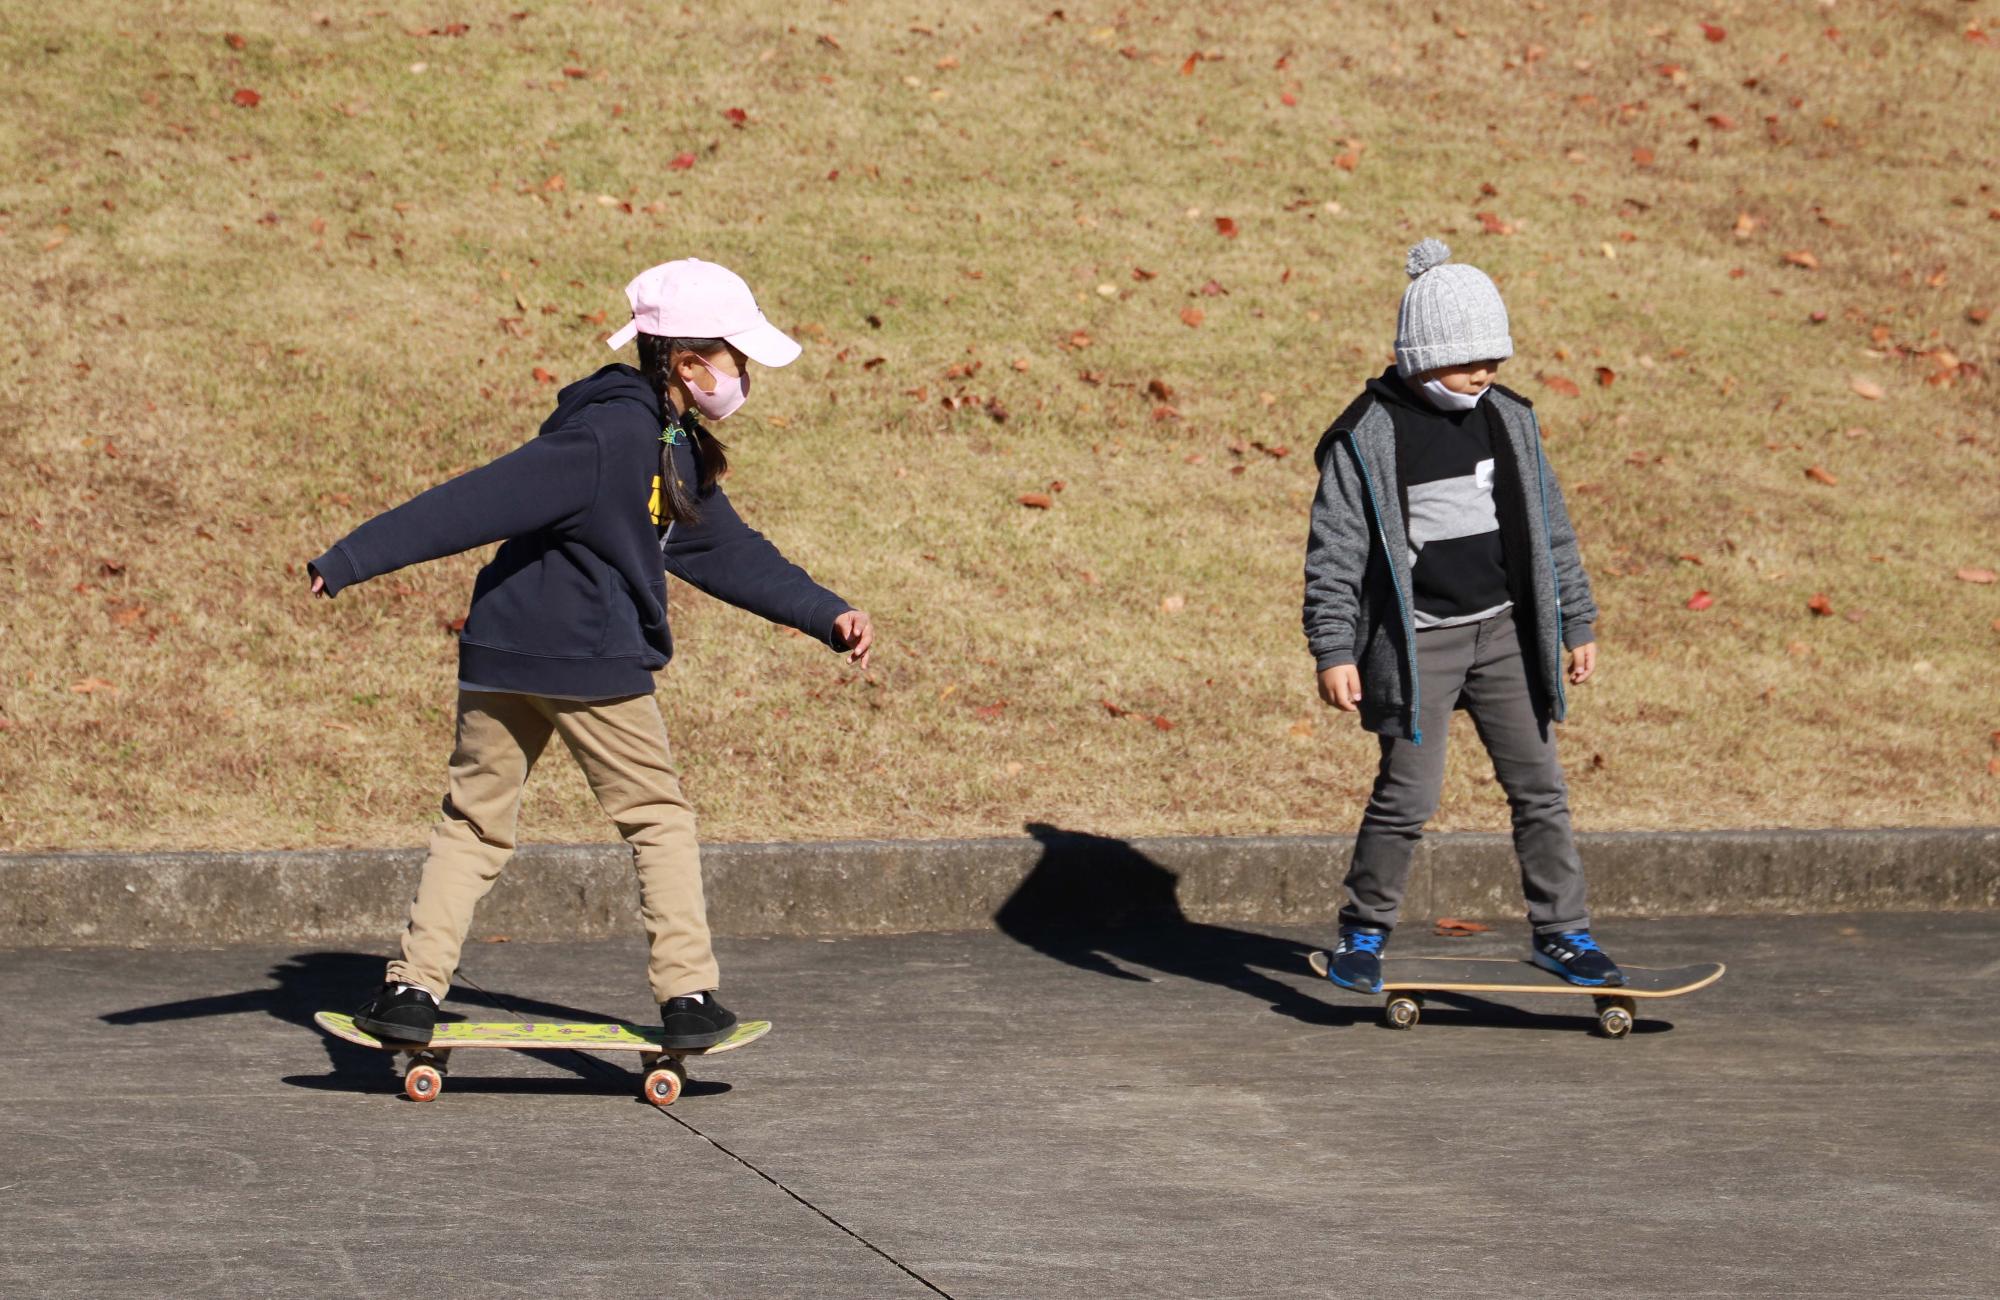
[(1176, 1110)]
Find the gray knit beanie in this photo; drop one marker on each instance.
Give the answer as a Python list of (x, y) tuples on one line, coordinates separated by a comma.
[(1451, 314)]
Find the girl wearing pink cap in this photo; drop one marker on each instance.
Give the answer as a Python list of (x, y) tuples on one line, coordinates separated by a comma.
[(568, 624)]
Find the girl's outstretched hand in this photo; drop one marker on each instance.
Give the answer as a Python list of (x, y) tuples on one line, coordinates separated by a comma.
[(857, 634), (319, 585), (1582, 663)]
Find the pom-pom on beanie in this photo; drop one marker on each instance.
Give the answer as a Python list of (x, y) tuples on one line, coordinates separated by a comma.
[(1451, 314)]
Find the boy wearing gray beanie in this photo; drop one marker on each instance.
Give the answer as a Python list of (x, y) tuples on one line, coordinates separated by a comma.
[(1442, 573)]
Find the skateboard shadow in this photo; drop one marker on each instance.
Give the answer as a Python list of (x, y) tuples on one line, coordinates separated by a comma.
[(606, 1079), (307, 982), (1097, 903), (1473, 1010)]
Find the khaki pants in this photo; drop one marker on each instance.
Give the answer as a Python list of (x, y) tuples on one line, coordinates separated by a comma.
[(622, 747)]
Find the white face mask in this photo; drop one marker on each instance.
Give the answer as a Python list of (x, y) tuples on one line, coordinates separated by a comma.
[(1444, 399)]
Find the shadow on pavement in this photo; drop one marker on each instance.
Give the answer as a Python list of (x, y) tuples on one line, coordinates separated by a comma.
[(1470, 1009), (1100, 905), (331, 981)]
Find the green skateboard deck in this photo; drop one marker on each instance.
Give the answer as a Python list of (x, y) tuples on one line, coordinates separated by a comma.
[(1405, 980), (423, 1077)]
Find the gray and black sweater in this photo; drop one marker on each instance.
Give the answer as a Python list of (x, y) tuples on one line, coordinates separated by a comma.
[(1363, 600)]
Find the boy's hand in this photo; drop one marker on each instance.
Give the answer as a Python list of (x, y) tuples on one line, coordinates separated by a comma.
[(857, 634), (318, 585), (1340, 686), (1582, 663)]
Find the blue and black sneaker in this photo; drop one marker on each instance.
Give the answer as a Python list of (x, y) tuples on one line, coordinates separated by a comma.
[(1356, 961), (1575, 956)]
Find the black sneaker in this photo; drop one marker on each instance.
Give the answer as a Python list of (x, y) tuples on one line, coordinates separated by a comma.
[(695, 1020), (404, 1013), (1356, 961), (1575, 956)]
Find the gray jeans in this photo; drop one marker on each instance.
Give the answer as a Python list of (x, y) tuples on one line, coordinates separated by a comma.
[(1477, 667)]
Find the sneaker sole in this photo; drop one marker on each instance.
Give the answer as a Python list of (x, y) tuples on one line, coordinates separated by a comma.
[(1554, 967), (1338, 982), (695, 1042), (389, 1033)]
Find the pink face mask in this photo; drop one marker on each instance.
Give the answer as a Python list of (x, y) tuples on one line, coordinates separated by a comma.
[(730, 392)]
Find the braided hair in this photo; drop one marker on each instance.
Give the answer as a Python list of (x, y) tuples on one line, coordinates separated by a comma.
[(711, 456)]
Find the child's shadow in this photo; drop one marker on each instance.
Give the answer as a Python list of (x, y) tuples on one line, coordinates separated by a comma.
[(317, 981), (1094, 902)]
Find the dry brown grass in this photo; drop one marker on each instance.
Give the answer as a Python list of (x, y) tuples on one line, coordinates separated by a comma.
[(234, 333)]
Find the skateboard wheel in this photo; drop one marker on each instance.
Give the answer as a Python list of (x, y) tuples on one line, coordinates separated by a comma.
[(663, 1086), (1615, 1016), (1401, 1012), (423, 1083)]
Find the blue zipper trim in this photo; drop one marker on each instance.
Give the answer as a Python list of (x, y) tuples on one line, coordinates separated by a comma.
[(1409, 635), (1548, 541)]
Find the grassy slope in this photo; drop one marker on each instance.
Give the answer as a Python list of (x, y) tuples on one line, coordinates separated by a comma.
[(231, 334)]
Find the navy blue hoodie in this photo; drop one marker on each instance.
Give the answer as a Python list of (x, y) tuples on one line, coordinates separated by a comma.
[(575, 600)]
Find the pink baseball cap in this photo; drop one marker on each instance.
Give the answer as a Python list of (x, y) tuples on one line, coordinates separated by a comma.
[(693, 299)]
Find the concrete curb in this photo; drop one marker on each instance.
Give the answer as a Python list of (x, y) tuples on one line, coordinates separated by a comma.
[(1049, 877)]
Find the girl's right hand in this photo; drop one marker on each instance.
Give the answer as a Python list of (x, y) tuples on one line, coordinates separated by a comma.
[(1340, 686), (319, 584)]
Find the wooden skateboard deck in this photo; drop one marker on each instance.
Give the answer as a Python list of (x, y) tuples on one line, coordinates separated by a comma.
[(423, 1076), (1406, 979)]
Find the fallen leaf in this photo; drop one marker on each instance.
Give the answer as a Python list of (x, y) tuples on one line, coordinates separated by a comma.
[(1159, 390), (1867, 388), (543, 376), (1036, 500), (1745, 226), (1983, 577), (90, 686), (1712, 32), (681, 162), (1803, 258), (1700, 600), (1642, 156), (1191, 316), (233, 41), (989, 712), (1213, 289), (454, 625), (1163, 724), (1453, 928), (246, 98), (1173, 604), (1722, 121), (1141, 273), (1187, 68), (1558, 384), (736, 116), (1491, 224), (1818, 475), (1606, 376), (1820, 605), (1114, 710)]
